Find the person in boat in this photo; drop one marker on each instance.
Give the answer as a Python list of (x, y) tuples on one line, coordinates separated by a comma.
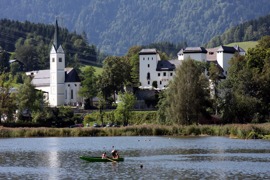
[(115, 154), (104, 155)]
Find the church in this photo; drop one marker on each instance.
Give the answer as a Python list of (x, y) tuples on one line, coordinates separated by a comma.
[(59, 84)]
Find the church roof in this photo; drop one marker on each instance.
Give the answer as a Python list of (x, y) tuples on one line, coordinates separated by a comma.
[(41, 78), (72, 75), (56, 38)]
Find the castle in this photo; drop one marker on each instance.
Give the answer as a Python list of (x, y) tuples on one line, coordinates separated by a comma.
[(156, 73)]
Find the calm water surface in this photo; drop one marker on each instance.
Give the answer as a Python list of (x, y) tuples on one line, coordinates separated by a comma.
[(161, 157)]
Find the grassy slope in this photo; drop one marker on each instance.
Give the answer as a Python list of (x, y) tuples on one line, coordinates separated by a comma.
[(245, 45), (98, 70)]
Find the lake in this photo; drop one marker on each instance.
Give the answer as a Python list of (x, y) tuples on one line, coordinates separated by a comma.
[(161, 158)]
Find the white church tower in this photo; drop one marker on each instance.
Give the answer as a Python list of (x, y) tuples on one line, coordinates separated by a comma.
[(57, 72)]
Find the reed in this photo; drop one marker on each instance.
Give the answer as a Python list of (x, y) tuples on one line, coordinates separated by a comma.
[(243, 131)]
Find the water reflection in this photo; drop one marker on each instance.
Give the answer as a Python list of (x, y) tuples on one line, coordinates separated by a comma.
[(52, 156), (161, 157)]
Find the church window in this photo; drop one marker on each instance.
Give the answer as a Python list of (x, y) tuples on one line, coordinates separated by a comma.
[(52, 59), (60, 59), (71, 94)]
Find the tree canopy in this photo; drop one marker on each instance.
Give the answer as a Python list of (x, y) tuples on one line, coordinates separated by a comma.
[(187, 94)]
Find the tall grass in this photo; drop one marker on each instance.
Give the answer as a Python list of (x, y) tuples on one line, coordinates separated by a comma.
[(243, 131)]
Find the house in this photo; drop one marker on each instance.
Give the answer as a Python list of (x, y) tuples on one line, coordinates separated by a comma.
[(156, 73), (59, 84)]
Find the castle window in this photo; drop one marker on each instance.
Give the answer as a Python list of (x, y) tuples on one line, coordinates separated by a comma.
[(148, 82), (75, 84), (171, 74), (148, 76), (164, 74), (143, 58), (68, 85), (52, 59), (148, 58), (60, 59), (148, 65), (160, 82), (152, 58), (71, 94), (158, 74)]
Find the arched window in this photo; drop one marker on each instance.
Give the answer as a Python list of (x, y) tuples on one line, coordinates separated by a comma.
[(148, 75)]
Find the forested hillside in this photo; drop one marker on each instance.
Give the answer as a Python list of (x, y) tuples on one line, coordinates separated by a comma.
[(249, 31), (116, 25), (32, 42)]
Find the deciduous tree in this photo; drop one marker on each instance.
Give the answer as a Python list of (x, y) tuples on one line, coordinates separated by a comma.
[(187, 94), (124, 107), (89, 84)]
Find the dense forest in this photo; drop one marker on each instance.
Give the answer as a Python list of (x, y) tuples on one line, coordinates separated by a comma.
[(249, 31), (113, 26), (32, 42)]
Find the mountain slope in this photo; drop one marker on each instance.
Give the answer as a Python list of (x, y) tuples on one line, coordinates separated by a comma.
[(252, 30), (116, 25)]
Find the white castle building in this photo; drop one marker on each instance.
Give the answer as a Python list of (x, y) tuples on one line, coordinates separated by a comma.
[(60, 85), (154, 70)]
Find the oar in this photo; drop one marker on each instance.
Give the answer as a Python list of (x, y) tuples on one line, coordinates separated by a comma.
[(110, 160)]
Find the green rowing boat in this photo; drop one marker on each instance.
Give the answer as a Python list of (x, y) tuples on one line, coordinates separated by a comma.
[(99, 159)]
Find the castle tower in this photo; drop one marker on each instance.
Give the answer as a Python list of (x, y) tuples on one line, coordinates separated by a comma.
[(148, 63), (57, 71)]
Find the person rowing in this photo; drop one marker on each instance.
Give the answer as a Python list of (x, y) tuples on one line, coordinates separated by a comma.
[(104, 155), (115, 154)]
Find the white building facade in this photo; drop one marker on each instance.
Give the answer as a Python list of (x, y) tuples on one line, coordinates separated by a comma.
[(156, 73), (59, 84)]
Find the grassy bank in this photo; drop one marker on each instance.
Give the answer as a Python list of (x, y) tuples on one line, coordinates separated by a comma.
[(242, 131)]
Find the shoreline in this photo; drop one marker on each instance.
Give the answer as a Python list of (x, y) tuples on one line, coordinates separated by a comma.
[(240, 131)]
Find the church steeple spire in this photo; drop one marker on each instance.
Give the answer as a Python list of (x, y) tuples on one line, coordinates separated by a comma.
[(56, 38)]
